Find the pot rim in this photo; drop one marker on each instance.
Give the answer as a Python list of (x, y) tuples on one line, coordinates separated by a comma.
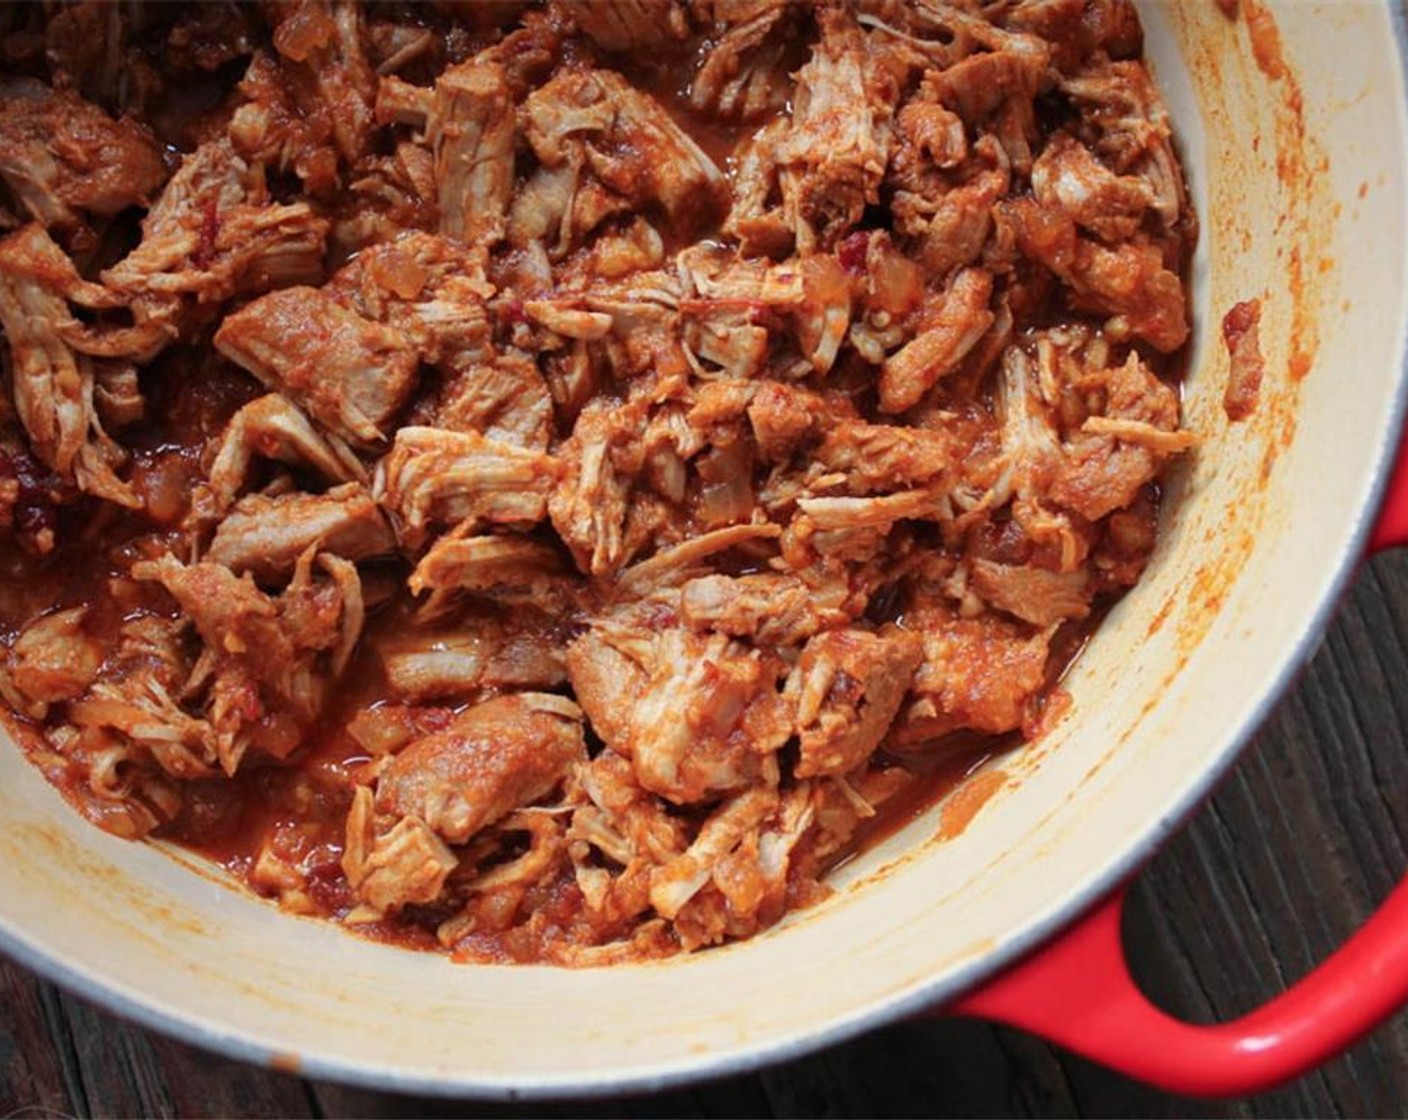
[(925, 996)]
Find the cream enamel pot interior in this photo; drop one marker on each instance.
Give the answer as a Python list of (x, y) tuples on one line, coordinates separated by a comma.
[(1297, 152)]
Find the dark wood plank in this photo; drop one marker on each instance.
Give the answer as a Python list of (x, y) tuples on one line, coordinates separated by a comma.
[(61, 1056), (116, 1062), (200, 1084), (1290, 855), (38, 1073), (930, 1068)]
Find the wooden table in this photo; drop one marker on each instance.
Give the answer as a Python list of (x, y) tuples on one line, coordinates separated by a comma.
[(1299, 843)]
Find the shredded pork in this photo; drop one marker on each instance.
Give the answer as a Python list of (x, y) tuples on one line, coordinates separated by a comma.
[(539, 479)]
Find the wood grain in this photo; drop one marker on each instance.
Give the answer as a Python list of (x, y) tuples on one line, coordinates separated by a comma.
[(1292, 853)]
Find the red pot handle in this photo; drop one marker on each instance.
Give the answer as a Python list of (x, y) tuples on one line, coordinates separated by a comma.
[(1391, 529), (1076, 991)]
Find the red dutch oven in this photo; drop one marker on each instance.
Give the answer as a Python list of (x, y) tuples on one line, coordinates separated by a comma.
[(1291, 119)]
